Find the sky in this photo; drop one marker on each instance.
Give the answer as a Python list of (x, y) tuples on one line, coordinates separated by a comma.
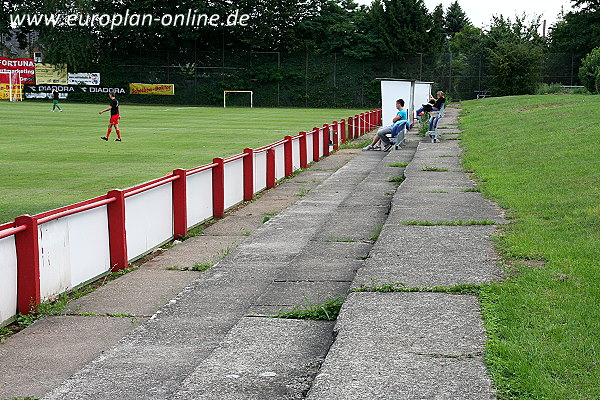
[(480, 12)]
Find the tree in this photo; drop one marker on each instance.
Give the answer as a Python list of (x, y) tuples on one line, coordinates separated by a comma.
[(516, 53), (456, 19), (437, 34), (589, 73), (401, 25), (515, 68), (577, 32)]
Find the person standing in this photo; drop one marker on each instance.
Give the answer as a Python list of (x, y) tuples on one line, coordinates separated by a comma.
[(55, 97), (114, 117)]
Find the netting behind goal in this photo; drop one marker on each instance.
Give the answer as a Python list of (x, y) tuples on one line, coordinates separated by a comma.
[(11, 88)]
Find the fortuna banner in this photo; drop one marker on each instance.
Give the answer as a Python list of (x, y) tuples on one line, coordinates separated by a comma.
[(167, 89), (24, 66)]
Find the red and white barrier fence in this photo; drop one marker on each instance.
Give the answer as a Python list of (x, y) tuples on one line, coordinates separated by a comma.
[(56, 251)]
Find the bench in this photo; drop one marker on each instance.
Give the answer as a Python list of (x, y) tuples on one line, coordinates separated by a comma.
[(433, 124)]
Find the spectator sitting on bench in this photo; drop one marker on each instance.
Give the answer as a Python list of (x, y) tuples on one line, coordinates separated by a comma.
[(401, 118), (433, 105)]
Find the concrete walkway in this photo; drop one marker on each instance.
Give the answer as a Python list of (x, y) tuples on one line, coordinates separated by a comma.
[(191, 335)]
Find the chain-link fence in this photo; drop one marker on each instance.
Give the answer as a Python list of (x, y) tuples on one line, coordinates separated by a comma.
[(308, 79)]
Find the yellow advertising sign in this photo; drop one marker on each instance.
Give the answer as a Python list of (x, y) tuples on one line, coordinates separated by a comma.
[(167, 89), (8, 91), (50, 74)]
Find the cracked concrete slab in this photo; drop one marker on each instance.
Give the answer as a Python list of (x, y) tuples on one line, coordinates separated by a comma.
[(139, 293), (434, 207), (405, 346), (41, 356), (261, 358), (431, 256), (197, 249), (280, 294)]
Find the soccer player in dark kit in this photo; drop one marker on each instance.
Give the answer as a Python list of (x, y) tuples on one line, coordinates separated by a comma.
[(114, 117), (55, 100)]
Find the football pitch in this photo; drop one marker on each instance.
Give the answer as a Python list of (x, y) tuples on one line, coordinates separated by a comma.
[(50, 159)]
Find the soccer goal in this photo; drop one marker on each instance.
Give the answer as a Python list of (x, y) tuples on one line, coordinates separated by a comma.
[(225, 92), (11, 88)]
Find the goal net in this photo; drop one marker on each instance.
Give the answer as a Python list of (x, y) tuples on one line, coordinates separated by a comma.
[(11, 88), (237, 100)]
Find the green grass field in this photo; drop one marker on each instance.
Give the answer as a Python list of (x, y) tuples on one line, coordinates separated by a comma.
[(539, 158), (54, 159)]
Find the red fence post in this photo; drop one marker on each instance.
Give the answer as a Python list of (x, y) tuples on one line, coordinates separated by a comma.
[(336, 135), (248, 174), (363, 123), (303, 151), (117, 236), (218, 187), (343, 130), (271, 169), (325, 140), (28, 265), (180, 204), (350, 128), (288, 156), (357, 126), (316, 140)]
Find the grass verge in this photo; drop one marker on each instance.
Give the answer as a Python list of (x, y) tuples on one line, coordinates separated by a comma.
[(543, 322)]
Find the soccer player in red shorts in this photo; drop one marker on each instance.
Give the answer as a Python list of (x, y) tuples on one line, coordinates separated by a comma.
[(114, 117)]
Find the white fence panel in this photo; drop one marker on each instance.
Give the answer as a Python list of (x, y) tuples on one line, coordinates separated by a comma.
[(234, 182), (309, 147), (321, 152), (148, 219), (279, 162), (260, 171), (73, 250), (55, 268), (296, 154), (199, 197), (8, 281), (89, 245)]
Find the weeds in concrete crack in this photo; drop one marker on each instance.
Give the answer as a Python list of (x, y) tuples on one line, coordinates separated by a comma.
[(397, 179), (197, 230), (398, 164), (400, 287), (438, 191), (375, 235), (473, 189), (124, 271), (340, 240), (266, 219), (303, 192), (327, 311), (434, 169), (453, 356), (456, 222), (199, 266)]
